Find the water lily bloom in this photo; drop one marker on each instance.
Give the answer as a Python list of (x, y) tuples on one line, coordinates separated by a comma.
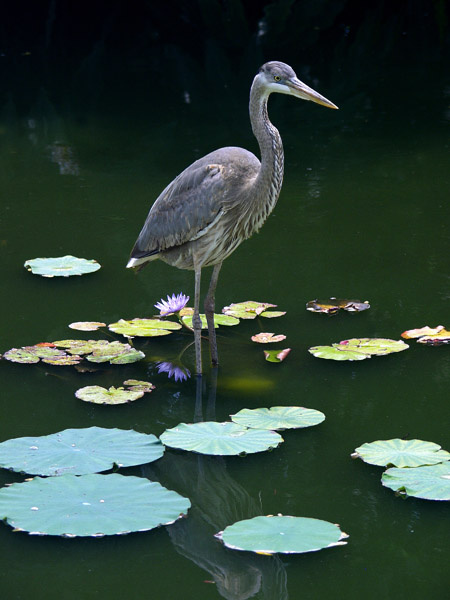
[(173, 304), (179, 373)]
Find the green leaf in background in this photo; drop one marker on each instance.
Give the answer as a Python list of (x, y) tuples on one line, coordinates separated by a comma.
[(401, 453), (429, 483), (284, 534), (62, 266), (79, 451), (89, 505), (187, 313), (358, 349), (220, 439), (100, 395), (278, 417), (144, 327)]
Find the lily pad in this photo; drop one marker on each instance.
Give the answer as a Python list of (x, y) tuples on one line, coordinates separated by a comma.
[(333, 305), (47, 352), (87, 325), (115, 353), (100, 395), (134, 384), (430, 482), (358, 349), (221, 439), (62, 266), (250, 310), (276, 356), (267, 338), (187, 313), (144, 327), (81, 346), (89, 505), (401, 453), (278, 417), (79, 451), (282, 534), (432, 336)]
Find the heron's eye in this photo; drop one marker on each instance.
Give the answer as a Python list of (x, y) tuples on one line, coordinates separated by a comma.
[(277, 78)]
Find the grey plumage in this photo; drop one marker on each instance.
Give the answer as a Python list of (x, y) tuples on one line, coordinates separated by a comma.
[(221, 199)]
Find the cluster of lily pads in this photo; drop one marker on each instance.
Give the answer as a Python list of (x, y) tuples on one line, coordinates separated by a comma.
[(70, 496), (416, 467)]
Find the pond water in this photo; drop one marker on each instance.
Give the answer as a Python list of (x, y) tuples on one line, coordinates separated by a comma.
[(363, 214)]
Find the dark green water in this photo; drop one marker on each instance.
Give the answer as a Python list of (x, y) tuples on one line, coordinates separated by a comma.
[(363, 214)]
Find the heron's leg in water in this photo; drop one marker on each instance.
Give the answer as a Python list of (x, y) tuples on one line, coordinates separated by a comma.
[(196, 322), (209, 312)]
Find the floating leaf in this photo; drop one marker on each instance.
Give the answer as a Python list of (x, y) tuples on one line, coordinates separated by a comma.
[(358, 349), (428, 335), (100, 395), (144, 327), (45, 352), (89, 505), (267, 338), (247, 310), (430, 482), (65, 360), (79, 451), (81, 346), (271, 314), (20, 355), (143, 386), (186, 318), (223, 439), (285, 534), (62, 266), (87, 325), (401, 453), (116, 353), (333, 305), (278, 417), (276, 356)]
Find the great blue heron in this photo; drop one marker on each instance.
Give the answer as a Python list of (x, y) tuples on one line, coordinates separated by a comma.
[(221, 199)]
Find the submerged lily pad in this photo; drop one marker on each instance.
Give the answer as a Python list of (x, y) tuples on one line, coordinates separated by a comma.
[(267, 338), (333, 305), (87, 325), (358, 349), (278, 417), (187, 313), (251, 309), (62, 266), (401, 453), (430, 482), (144, 327), (89, 505), (276, 356), (100, 395), (282, 534), (221, 439), (79, 451)]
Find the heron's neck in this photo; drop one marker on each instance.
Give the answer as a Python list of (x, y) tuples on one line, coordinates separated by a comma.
[(268, 183)]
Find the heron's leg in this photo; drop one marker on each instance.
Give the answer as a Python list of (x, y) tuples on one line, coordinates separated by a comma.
[(209, 312), (196, 323)]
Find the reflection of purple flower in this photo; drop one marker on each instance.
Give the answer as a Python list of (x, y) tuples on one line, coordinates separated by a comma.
[(179, 373), (173, 304)]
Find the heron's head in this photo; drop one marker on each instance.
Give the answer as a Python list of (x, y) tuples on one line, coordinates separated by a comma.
[(279, 77)]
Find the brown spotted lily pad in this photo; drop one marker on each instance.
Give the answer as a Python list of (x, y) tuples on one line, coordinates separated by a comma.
[(334, 305), (267, 338), (432, 336)]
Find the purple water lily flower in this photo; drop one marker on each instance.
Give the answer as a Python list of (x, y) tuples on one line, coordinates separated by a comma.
[(173, 304), (179, 373)]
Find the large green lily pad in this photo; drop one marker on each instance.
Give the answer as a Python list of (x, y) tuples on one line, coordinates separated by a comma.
[(100, 395), (358, 349), (251, 309), (221, 439), (100, 351), (186, 315), (89, 505), (429, 482), (79, 451), (144, 327), (278, 417), (401, 453), (283, 534), (62, 266)]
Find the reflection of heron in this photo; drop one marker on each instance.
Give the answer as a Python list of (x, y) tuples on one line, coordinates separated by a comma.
[(221, 199)]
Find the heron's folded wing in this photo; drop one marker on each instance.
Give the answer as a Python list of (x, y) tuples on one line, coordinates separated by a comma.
[(185, 210)]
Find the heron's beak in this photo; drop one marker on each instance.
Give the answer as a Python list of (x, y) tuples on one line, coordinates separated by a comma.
[(301, 90)]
